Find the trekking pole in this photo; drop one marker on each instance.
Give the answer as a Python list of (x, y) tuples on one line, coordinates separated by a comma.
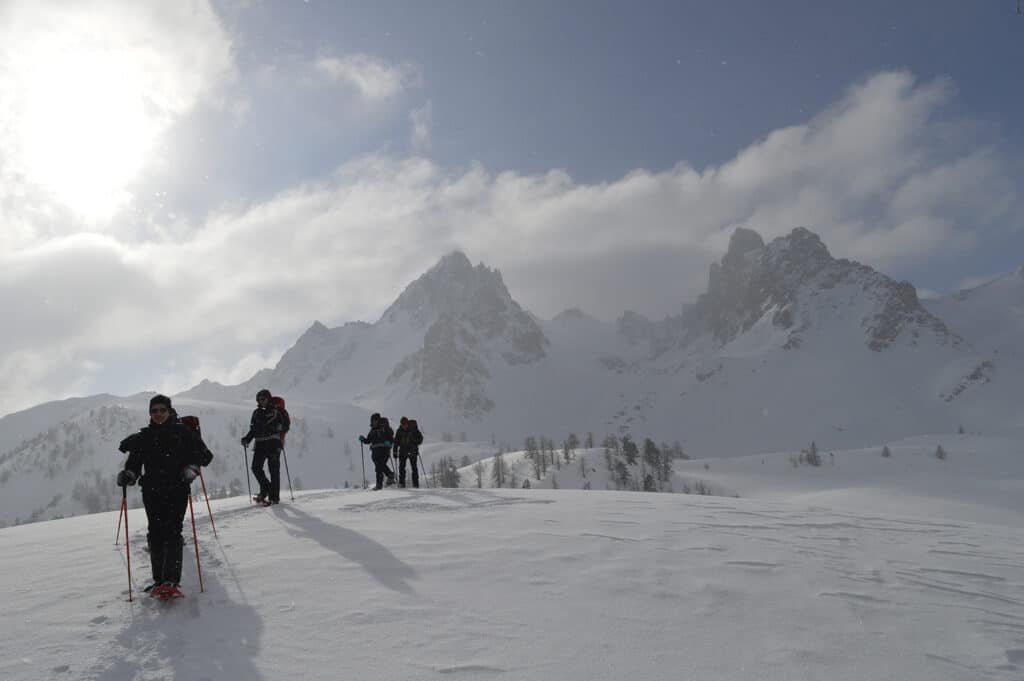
[(195, 538), (426, 480), (245, 449), (117, 537), (287, 474), (208, 509), (362, 457), (127, 553)]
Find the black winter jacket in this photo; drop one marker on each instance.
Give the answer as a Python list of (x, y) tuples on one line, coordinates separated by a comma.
[(379, 437), (407, 441), (159, 454), (268, 423)]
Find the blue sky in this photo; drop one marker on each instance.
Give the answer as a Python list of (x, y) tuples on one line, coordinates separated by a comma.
[(272, 163)]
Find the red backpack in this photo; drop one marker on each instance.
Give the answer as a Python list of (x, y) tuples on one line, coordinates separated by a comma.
[(192, 423), (278, 403)]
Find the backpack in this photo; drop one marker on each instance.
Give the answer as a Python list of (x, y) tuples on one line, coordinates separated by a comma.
[(192, 423), (278, 403), (387, 428), (415, 428)]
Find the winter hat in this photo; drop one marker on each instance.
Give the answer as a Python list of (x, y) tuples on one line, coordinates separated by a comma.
[(160, 399), (374, 418), (403, 421), (262, 393)]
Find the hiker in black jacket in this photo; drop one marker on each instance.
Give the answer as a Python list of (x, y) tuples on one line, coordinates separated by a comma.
[(379, 438), (164, 457), (408, 439), (267, 426)]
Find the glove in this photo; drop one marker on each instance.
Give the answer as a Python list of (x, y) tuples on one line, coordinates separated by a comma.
[(362, 439), (245, 441), (126, 477), (189, 473), (387, 443)]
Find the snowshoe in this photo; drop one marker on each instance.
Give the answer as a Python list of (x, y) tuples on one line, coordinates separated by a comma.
[(166, 592)]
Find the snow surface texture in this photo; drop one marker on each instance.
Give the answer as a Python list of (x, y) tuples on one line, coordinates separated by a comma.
[(542, 584)]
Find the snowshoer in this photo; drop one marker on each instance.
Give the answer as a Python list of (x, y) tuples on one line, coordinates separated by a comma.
[(408, 439), (379, 438), (164, 457), (267, 426)]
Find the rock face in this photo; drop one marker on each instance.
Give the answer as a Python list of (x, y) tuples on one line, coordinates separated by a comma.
[(791, 279), (471, 320)]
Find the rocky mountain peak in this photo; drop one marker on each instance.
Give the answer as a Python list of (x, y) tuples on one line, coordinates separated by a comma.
[(785, 275), (451, 287)]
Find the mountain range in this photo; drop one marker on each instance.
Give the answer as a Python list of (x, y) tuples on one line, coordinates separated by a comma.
[(786, 346)]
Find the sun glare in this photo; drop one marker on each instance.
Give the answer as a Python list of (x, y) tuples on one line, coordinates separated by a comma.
[(83, 127)]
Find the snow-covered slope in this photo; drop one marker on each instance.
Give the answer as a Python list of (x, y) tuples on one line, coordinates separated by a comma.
[(527, 585), (990, 316)]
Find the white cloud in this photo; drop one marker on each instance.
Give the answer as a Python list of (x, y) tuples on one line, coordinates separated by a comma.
[(421, 120), (884, 176), (976, 281), (373, 78), (87, 90)]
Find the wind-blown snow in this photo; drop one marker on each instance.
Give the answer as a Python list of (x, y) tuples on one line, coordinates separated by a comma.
[(544, 584)]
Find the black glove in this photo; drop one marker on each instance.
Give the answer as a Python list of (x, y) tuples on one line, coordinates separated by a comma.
[(190, 473), (126, 477), (245, 441)]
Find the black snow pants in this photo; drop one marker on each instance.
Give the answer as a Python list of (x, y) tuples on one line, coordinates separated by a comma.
[(380, 456), (270, 452), (411, 457), (165, 512)]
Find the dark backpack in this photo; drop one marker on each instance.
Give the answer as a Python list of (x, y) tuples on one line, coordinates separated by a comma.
[(386, 427), (415, 432), (192, 423)]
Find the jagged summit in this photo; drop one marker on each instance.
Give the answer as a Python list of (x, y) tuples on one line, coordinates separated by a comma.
[(788, 278), (451, 286)]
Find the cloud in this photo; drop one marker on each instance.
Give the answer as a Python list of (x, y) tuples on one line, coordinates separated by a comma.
[(88, 90), (885, 175), (421, 120), (374, 79)]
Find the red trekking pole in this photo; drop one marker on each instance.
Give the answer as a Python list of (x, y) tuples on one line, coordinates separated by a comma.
[(117, 535), (195, 538), (127, 553), (208, 509)]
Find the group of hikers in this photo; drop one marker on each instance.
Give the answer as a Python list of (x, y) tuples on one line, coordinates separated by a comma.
[(165, 458), (385, 442)]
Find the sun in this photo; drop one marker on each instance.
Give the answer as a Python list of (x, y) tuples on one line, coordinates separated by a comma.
[(79, 125)]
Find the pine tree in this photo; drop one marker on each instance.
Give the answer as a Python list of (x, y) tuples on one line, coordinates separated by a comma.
[(589, 441), (652, 455), (629, 450), (478, 470), (940, 453), (885, 452), (572, 444), (499, 470)]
